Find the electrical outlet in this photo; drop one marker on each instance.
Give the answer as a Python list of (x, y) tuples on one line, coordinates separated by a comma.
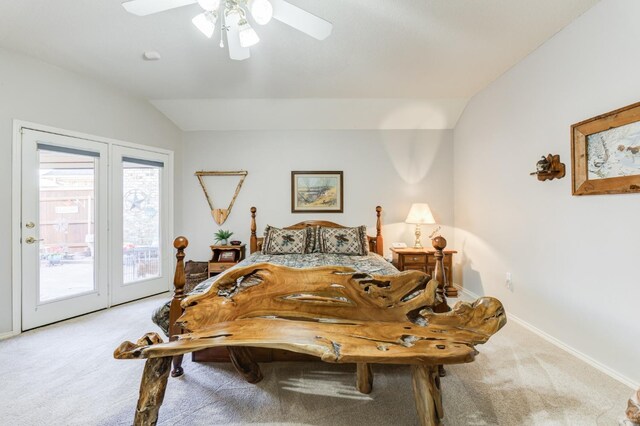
[(508, 283)]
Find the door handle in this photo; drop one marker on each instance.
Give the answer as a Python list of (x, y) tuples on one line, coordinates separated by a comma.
[(31, 240)]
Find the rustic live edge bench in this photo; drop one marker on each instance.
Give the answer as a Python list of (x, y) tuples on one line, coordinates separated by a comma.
[(334, 313)]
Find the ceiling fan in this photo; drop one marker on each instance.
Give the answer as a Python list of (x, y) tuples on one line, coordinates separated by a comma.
[(233, 15)]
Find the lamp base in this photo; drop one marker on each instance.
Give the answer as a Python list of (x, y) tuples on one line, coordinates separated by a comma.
[(417, 244)]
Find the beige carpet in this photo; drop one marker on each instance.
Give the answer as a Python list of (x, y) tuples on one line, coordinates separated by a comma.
[(64, 374)]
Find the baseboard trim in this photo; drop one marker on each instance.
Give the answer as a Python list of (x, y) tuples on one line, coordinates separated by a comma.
[(576, 353), (8, 334)]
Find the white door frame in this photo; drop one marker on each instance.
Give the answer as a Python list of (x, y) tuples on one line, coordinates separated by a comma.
[(16, 203)]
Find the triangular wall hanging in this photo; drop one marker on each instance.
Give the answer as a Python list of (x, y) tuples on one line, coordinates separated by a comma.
[(220, 215)]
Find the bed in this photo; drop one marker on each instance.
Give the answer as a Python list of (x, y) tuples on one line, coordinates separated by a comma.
[(370, 262), (334, 313)]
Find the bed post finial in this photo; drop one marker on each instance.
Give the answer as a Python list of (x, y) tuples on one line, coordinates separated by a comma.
[(379, 222), (181, 243), (175, 310), (253, 244)]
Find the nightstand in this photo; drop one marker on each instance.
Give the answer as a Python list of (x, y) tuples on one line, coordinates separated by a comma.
[(224, 257), (424, 260)]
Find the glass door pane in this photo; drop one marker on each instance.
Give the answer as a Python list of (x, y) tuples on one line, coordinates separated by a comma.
[(67, 224), (141, 259)]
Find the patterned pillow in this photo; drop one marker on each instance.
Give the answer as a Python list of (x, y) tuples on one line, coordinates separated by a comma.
[(350, 241), (286, 241)]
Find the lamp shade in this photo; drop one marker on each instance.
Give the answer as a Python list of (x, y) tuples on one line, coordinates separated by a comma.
[(420, 213)]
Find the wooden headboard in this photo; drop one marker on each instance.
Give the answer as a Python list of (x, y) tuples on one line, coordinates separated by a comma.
[(375, 243)]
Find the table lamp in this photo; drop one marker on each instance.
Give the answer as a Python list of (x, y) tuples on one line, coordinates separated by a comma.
[(419, 214)]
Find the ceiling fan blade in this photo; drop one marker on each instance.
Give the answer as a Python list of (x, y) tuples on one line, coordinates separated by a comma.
[(301, 19), (147, 7), (236, 51)]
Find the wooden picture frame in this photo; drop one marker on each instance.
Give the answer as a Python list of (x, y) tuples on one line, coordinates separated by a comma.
[(605, 153), (227, 256), (317, 192)]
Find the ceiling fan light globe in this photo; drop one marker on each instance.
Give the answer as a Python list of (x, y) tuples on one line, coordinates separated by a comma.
[(206, 23), (261, 10), (209, 4), (248, 36)]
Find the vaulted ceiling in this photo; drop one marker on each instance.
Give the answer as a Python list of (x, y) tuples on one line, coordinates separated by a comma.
[(382, 49)]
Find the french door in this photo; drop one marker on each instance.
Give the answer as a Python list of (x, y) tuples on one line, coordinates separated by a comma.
[(140, 264), (64, 227), (94, 226)]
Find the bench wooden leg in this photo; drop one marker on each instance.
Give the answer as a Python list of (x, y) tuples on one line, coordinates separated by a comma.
[(426, 392), (243, 362), (364, 377), (152, 387)]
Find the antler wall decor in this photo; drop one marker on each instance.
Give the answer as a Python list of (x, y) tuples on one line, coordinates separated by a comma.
[(221, 215)]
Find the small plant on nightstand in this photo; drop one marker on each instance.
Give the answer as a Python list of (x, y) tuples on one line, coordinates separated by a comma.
[(222, 236)]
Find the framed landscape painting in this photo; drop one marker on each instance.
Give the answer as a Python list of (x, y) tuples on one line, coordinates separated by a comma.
[(316, 192), (605, 153)]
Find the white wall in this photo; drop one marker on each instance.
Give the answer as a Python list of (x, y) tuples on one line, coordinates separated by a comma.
[(391, 168), (574, 259), (33, 91)]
